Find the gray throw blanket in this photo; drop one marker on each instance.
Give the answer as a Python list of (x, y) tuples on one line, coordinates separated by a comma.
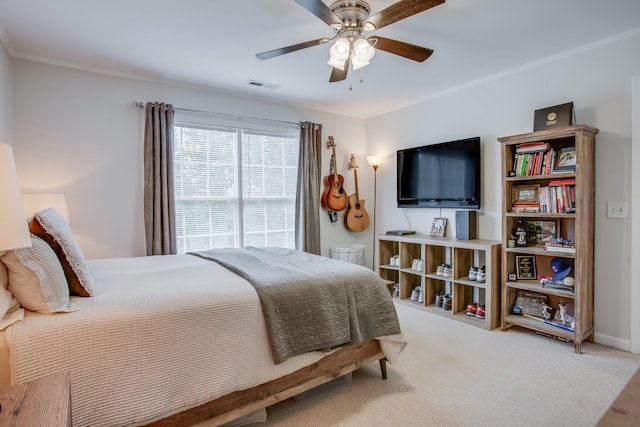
[(311, 302)]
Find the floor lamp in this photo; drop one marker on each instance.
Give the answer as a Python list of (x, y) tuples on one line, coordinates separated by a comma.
[(374, 161)]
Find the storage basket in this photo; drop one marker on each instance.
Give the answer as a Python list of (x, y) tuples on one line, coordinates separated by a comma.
[(350, 253)]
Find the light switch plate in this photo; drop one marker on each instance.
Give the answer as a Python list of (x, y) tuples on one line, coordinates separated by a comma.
[(617, 210)]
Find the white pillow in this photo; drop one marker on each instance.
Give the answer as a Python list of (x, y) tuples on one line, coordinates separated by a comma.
[(50, 226), (36, 278), (10, 311)]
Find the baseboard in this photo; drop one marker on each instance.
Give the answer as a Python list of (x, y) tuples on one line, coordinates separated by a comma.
[(609, 341)]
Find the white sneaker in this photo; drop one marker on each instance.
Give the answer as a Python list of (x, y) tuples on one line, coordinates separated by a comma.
[(482, 275), (420, 295), (415, 293), (447, 272), (440, 270), (473, 273)]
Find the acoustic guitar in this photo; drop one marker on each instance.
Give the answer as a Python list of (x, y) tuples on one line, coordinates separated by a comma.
[(334, 198), (356, 218)]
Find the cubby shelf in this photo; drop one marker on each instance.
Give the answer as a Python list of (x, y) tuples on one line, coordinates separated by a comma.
[(434, 251)]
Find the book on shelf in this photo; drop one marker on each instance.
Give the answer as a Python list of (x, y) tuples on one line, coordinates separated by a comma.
[(558, 198), (568, 181), (525, 207), (529, 147), (557, 324), (556, 285), (534, 161), (568, 248)]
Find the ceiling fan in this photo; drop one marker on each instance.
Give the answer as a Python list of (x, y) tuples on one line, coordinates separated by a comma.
[(350, 19)]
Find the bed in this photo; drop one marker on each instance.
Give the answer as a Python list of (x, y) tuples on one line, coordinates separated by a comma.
[(178, 339)]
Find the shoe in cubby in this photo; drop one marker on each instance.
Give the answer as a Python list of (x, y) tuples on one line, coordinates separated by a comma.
[(473, 273), (415, 294), (481, 277), (472, 309), (447, 271), (446, 302)]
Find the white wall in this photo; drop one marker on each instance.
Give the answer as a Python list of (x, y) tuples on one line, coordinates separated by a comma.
[(5, 96), (598, 80), (78, 133)]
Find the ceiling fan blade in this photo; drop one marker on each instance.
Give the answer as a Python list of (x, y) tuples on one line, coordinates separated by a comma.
[(407, 50), (321, 10), (337, 75), (289, 49), (400, 10)]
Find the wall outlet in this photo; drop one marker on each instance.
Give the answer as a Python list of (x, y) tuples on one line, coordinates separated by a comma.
[(617, 210)]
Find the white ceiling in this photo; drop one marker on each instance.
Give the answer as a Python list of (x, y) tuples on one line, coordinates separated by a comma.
[(213, 43)]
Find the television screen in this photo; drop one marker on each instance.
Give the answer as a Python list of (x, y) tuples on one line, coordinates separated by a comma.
[(445, 175)]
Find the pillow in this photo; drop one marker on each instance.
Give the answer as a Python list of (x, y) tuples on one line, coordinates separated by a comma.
[(10, 311), (36, 278), (52, 228)]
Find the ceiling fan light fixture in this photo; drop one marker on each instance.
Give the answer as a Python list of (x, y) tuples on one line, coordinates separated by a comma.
[(336, 64), (339, 53), (362, 53), (357, 64)]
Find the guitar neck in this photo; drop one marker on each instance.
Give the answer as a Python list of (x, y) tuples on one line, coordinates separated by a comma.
[(355, 178)]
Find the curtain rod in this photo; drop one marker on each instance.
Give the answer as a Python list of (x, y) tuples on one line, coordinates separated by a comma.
[(139, 104)]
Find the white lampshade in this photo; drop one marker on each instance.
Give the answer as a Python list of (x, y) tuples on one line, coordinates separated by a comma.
[(14, 232), (374, 161), (34, 203), (362, 53), (339, 53)]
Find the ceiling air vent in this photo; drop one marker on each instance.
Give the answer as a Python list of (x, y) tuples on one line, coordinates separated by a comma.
[(263, 84)]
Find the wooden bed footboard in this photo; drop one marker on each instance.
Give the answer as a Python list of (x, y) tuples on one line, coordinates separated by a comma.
[(237, 404)]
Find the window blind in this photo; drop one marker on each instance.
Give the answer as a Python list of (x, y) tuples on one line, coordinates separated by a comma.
[(234, 187)]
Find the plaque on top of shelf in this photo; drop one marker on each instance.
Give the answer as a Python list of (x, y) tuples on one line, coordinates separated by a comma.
[(554, 117)]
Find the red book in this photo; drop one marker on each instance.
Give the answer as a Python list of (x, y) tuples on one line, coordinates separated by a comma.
[(568, 181)]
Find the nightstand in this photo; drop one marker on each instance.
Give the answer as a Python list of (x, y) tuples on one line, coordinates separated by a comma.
[(42, 402)]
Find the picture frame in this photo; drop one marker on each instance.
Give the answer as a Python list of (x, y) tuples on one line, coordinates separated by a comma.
[(541, 232), (438, 227), (566, 160), (526, 267), (526, 194)]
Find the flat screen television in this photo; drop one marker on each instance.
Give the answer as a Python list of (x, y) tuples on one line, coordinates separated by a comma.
[(445, 175)]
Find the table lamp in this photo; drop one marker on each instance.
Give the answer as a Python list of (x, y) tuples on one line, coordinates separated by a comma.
[(14, 231)]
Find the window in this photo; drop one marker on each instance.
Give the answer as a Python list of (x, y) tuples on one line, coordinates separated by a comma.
[(212, 209)]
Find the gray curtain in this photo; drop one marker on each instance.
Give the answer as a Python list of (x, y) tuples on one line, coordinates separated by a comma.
[(159, 200), (308, 188)]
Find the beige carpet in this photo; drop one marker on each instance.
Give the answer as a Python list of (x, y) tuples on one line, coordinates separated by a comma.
[(452, 374)]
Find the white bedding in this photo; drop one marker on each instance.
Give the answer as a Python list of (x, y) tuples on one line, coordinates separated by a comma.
[(180, 352)]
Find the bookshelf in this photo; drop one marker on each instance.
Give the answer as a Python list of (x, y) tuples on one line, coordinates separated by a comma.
[(548, 186)]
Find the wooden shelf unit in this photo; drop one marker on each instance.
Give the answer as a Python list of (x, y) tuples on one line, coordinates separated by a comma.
[(461, 254), (578, 226)]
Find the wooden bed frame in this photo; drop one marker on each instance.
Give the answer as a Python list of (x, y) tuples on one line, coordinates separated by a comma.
[(237, 404)]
